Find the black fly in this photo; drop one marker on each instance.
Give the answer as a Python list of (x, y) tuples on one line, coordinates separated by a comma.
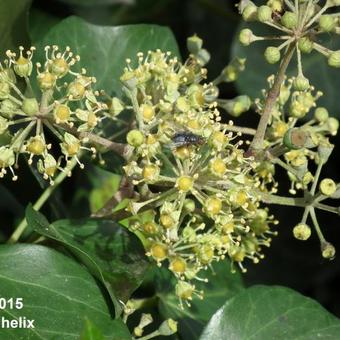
[(185, 138)]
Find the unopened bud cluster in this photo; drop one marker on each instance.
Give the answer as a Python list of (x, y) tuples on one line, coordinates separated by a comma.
[(300, 24)]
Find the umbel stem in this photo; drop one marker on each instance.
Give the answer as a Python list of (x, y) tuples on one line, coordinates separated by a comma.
[(257, 142), (42, 199)]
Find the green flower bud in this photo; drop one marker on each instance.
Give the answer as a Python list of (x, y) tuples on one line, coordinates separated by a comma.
[(71, 145), (189, 205), (235, 107), (8, 108), (46, 80), (194, 44), (36, 145), (284, 94), (205, 253), (59, 67), (305, 45), (5, 90), (233, 69), (275, 5), (23, 67), (272, 54), (301, 83), (334, 59), (116, 106), (246, 37), (325, 149), (189, 233), (307, 178), (333, 125), (30, 106), (250, 12), (48, 167), (321, 115), (327, 23), (301, 104), (203, 56), (7, 157), (7, 75), (76, 90), (184, 290), (135, 138), (327, 187), (264, 13), (61, 113), (328, 250), (3, 125), (302, 232), (129, 80), (289, 20)]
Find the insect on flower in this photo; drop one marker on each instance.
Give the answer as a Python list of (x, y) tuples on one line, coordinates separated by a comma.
[(185, 138)]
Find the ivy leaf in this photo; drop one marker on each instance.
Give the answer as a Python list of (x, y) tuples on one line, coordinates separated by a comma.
[(104, 49), (40, 23), (105, 185), (113, 254), (222, 285), (315, 67), (57, 292), (273, 312), (13, 24), (87, 3), (91, 332)]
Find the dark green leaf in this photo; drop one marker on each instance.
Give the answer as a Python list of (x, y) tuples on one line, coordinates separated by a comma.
[(103, 50), (57, 293), (315, 67), (267, 313), (111, 253), (105, 185), (86, 3), (91, 332), (222, 285), (40, 23), (13, 24)]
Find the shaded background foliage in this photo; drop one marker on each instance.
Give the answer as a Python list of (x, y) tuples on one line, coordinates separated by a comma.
[(288, 262)]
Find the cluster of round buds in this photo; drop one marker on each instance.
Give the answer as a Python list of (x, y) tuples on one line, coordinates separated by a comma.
[(300, 24), (64, 103), (295, 143), (298, 141), (190, 171)]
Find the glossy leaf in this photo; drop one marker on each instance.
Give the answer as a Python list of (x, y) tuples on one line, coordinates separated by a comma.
[(40, 22), (13, 24), (105, 185), (87, 3), (315, 67), (265, 313), (222, 286), (91, 332), (57, 292), (104, 50), (111, 253)]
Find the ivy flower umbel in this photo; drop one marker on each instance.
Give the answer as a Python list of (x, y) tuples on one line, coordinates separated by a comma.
[(65, 104), (300, 23), (294, 144), (296, 141), (191, 171)]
